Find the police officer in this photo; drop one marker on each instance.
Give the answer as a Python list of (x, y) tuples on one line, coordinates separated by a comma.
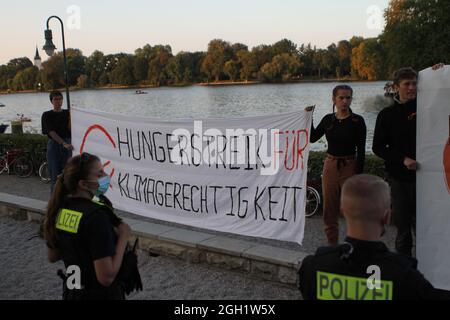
[(86, 234), (363, 268)]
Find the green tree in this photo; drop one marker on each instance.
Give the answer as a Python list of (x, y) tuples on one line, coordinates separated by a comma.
[(10, 70), (232, 69), (310, 62), (249, 67), (417, 33), (4, 76), (140, 68), (20, 63), (95, 67), (368, 60), (76, 65), (157, 72), (219, 52), (355, 41), (330, 60), (236, 47), (262, 54), (122, 74), (53, 69), (282, 68), (284, 46), (83, 82), (53, 72), (344, 51)]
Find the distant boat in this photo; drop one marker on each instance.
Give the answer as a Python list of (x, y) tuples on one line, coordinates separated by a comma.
[(2, 105), (3, 127), (140, 92)]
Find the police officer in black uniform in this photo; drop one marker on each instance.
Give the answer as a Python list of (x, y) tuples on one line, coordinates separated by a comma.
[(363, 268), (82, 230)]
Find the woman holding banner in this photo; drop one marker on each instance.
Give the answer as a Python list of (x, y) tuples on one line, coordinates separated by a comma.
[(81, 229), (345, 132)]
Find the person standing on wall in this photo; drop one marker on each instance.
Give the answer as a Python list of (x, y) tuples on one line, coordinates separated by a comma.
[(56, 125), (346, 136)]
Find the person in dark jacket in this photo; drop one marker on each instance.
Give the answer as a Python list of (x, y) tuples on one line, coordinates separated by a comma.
[(81, 229), (395, 142), (363, 268)]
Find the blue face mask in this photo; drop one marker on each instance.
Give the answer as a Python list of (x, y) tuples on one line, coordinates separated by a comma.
[(103, 185)]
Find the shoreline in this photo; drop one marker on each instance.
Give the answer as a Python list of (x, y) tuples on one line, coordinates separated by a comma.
[(197, 84)]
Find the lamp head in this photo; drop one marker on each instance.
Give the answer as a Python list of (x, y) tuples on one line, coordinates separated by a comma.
[(49, 47)]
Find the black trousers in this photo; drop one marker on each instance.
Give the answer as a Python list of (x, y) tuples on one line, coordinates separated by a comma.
[(404, 214)]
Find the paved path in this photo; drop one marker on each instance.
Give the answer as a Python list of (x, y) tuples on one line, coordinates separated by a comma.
[(26, 274)]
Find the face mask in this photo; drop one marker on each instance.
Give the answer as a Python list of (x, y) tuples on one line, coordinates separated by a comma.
[(103, 185)]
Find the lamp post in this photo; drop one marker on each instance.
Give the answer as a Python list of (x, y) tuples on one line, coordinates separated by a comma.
[(50, 48)]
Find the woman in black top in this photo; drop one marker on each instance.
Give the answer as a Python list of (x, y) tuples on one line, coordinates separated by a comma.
[(346, 137), (84, 232), (56, 125)]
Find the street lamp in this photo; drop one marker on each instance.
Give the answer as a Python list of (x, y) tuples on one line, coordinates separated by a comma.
[(50, 48)]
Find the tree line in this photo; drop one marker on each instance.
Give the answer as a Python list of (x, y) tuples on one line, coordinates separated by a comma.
[(416, 34)]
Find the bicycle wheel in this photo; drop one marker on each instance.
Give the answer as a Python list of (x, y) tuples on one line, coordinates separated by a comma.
[(312, 202), (23, 167), (3, 165), (44, 174)]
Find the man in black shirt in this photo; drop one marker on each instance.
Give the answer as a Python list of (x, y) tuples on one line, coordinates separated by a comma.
[(56, 125), (362, 268), (395, 142)]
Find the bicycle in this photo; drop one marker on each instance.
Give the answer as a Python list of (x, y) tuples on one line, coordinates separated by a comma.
[(43, 172), (16, 161), (313, 197), (40, 165), (313, 202)]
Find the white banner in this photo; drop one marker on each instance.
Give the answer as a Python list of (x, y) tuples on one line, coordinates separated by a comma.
[(245, 176), (433, 178)]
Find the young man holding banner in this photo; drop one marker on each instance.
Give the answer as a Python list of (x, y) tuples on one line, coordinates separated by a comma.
[(395, 142)]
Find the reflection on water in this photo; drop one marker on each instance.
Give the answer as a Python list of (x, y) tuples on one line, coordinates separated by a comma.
[(204, 102)]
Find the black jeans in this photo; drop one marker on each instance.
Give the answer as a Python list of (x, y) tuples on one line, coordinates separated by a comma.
[(404, 214)]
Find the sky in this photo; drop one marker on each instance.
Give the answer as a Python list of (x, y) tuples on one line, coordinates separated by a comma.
[(114, 26)]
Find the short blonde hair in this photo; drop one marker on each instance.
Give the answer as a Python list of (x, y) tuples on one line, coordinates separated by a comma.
[(365, 197)]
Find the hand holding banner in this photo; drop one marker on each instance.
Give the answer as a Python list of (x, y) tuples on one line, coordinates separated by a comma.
[(245, 176)]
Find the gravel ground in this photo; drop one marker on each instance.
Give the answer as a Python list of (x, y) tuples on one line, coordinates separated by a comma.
[(26, 274)]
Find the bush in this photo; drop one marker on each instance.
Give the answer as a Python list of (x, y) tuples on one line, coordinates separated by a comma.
[(33, 143), (16, 127)]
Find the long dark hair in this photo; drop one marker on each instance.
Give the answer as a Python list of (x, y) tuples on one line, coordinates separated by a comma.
[(76, 169)]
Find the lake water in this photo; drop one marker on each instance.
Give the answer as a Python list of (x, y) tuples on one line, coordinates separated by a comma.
[(204, 102)]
